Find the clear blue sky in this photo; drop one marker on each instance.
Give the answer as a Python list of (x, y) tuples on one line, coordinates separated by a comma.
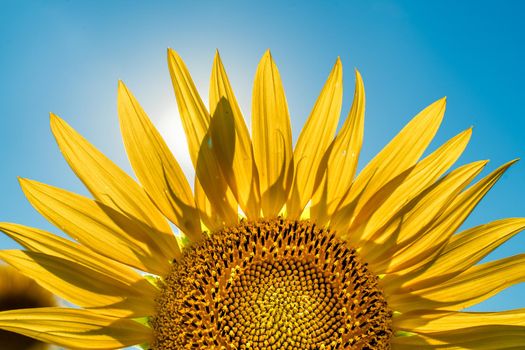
[(66, 57)]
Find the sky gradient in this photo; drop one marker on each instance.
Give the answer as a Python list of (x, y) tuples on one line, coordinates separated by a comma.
[(66, 57)]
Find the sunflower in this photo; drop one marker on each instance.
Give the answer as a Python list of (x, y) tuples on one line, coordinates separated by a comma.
[(17, 292), (278, 247)]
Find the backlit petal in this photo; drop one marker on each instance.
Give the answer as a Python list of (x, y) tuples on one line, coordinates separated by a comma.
[(233, 145), (196, 122), (272, 137), (339, 165), (316, 136), (84, 220), (155, 166), (398, 156), (127, 202)]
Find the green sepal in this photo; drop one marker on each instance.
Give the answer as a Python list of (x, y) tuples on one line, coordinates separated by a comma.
[(404, 334)]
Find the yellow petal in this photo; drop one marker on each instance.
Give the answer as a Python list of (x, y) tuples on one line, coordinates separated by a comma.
[(398, 156), (47, 243), (339, 164), (272, 137), (195, 118), (209, 216), (465, 250), (430, 321), (492, 337), (430, 242), (74, 328), (196, 122), (424, 174), (413, 218), (155, 166), (413, 342), (84, 286), (461, 330), (209, 174), (469, 288), (316, 136), (232, 139), (84, 220), (129, 205)]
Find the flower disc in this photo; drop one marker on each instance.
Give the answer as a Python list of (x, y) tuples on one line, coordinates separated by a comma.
[(272, 284)]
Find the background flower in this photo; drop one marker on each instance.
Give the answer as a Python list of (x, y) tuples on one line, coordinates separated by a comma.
[(66, 58)]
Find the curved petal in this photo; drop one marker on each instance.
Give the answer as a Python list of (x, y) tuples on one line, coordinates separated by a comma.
[(211, 219), (465, 250), (461, 330), (218, 193), (415, 217), (316, 136), (398, 156), (196, 122), (115, 189), (155, 166), (84, 286), (232, 139), (432, 321), (74, 328), (479, 338), (45, 243), (469, 288), (195, 118), (428, 244), (339, 165), (424, 174), (84, 220), (272, 137)]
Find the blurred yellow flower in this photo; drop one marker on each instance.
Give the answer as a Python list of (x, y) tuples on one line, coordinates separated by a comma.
[(19, 292)]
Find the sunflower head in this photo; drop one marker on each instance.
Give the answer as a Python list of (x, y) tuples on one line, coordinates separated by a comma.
[(20, 292), (277, 246), (272, 284)]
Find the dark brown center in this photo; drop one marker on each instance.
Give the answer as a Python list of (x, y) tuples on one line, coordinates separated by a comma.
[(20, 292), (271, 284)]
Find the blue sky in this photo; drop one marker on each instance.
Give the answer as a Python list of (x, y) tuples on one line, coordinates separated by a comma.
[(66, 57)]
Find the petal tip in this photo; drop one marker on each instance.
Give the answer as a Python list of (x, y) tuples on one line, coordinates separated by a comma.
[(267, 55)]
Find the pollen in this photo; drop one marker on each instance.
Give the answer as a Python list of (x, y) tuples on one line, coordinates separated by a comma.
[(271, 284)]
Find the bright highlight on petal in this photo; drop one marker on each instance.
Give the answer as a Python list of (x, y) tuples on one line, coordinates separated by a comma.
[(272, 137), (279, 248), (155, 166)]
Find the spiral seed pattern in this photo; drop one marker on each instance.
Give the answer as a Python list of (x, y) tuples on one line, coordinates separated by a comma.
[(271, 284)]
